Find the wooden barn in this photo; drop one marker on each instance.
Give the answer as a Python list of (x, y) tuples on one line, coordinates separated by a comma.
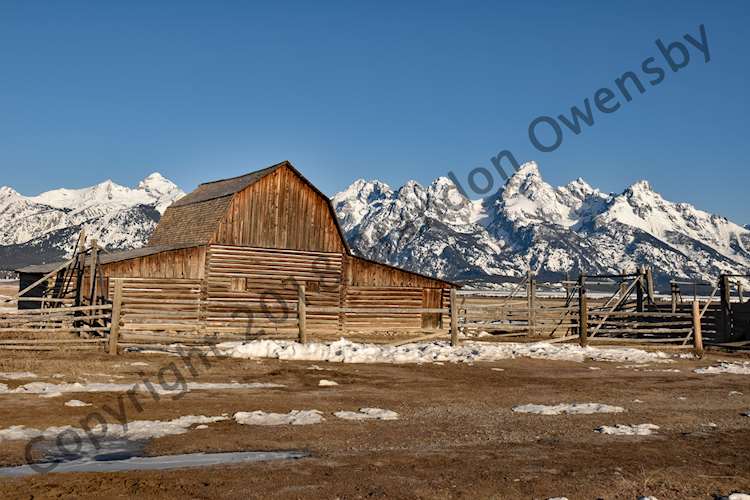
[(232, 257)]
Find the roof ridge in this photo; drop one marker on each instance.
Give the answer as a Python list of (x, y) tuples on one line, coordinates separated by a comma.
[(270, 167)]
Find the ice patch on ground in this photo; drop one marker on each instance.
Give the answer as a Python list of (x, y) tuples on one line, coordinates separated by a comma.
[(53, 390), (344, 351), (327, 383), (367, 414), (17, 375), (167, 462), (628, 430), (294, 417), (726, 367), (75, 403), (570, 409), (138, 429)]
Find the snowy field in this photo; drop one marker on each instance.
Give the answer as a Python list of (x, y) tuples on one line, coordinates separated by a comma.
[(345, 419)]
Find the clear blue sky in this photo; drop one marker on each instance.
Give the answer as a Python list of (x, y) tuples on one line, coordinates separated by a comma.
[(203, 90)]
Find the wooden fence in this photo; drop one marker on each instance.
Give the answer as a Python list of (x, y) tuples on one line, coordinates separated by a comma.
[(156, 311), (81, 327)]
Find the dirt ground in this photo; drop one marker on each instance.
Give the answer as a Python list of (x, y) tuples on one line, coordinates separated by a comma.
[(456, 437)]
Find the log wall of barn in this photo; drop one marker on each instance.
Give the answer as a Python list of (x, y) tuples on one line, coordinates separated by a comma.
[(255, 290), (280, 211)]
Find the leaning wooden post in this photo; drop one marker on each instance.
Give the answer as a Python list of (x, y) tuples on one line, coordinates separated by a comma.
[(697, 333), (92, 271), (114, 326), (454, 318), (302, 314), (583, 312), (80, 263)]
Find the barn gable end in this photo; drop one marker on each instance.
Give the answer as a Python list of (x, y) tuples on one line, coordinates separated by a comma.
[(281, 210)]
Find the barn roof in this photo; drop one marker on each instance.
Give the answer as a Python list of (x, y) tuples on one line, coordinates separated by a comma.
[(109, 257), (196, 216), (225, 187)]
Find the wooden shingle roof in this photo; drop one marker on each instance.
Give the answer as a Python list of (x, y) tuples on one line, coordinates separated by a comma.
[(109, 257)]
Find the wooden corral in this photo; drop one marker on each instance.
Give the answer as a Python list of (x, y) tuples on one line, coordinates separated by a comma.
[(262, 255)]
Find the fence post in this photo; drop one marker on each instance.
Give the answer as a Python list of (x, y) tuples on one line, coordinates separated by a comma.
[(639, 289), (740, 292), (114, 326), (583, 312), (531, 291), (454, 318), (302, 314), (726, 307), (674, 290), (697, 333)]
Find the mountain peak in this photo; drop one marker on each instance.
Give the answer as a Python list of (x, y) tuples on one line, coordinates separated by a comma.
[(642, 186), (157, 185), (7, 191)]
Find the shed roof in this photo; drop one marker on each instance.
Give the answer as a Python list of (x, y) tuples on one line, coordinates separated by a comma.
[(109, 257)]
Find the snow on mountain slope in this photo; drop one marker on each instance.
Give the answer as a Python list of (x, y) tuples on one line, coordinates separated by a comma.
[(528, 222), (118, 217), (431, 229)]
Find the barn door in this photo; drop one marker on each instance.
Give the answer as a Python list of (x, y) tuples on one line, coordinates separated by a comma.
[(741, 321), (432, 298)]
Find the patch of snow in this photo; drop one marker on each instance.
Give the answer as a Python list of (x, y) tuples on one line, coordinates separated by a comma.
[(344, 351), (367, 414), (327, 383), (138, 429), (17, 375), (294, 417), (726, 367), (53, 390), (570, 409), (735, 393), (55, 394), (497, 369), (628, 430), (76, 403)]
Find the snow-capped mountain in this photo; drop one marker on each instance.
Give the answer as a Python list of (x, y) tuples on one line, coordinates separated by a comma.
[(43, 228), (555, 230), (431, 229)]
